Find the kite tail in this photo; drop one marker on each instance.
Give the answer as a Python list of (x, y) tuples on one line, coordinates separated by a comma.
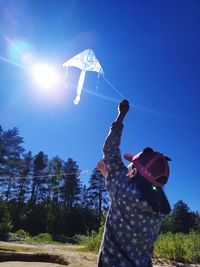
[(97, 85), (80, 87)]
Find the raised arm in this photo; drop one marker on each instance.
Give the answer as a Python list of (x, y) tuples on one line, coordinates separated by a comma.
[(111, 148), (123, 108)]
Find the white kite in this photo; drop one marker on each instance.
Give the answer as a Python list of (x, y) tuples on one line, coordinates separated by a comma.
[(86, 61)]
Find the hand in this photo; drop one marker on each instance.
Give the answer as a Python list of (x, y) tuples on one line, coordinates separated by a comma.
[(102, 168), (123, 107)]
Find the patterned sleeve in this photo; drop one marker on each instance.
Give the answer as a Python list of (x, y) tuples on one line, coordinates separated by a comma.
[(111, 151)]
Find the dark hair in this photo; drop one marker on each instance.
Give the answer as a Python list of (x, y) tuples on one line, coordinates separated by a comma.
[(155, 196)]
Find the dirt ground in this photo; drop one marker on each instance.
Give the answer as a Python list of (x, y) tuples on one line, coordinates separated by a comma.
[(41, 264), (30, 264), (70, 253)]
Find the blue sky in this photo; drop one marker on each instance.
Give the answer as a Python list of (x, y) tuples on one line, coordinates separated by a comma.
[(149, 51)]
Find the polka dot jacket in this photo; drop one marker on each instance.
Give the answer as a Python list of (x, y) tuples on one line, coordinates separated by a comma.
[(131, 226)]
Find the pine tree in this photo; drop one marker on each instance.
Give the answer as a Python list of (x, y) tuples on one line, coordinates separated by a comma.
[(2, 153), (182, 218), (197, 224), (55, 172), (85, 199), (10, 160), (24, 181), (168, 224), (39, 189), (2, 160), (70, 188), (97, 193)]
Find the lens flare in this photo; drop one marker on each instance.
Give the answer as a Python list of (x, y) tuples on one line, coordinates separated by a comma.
[(20, 51)]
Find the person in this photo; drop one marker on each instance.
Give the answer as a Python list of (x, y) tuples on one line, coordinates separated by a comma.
[(138, 203)]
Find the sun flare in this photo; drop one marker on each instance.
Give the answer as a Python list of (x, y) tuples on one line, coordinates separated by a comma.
[(44, 75)]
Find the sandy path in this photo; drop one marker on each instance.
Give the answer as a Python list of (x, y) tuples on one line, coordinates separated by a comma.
[(41, 264), (70, 253), (28, 264)]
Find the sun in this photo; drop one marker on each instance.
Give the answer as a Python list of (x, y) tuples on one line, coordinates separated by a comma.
[(44, 75)]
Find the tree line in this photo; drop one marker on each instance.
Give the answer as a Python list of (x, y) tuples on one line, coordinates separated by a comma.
[(39, 195), (181, 220)]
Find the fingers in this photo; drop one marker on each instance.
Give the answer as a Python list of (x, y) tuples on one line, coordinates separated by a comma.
[(99, 165)]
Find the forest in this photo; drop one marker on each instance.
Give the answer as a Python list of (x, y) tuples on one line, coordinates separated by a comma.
[(43, 195), (38, 194)]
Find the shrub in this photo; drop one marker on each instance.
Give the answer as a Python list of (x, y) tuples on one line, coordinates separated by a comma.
[(192, 247), (179, 247), (43, 238), (169, 246), (19, 235), (78, 239), (5, 228), (5, 221), (22, 234), (93, 242)]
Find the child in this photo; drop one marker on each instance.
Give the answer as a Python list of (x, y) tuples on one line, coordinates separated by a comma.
[(138, 202)]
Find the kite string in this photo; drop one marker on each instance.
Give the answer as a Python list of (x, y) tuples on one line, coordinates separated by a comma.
[(97, 86), (47, 175), (113, 87)]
